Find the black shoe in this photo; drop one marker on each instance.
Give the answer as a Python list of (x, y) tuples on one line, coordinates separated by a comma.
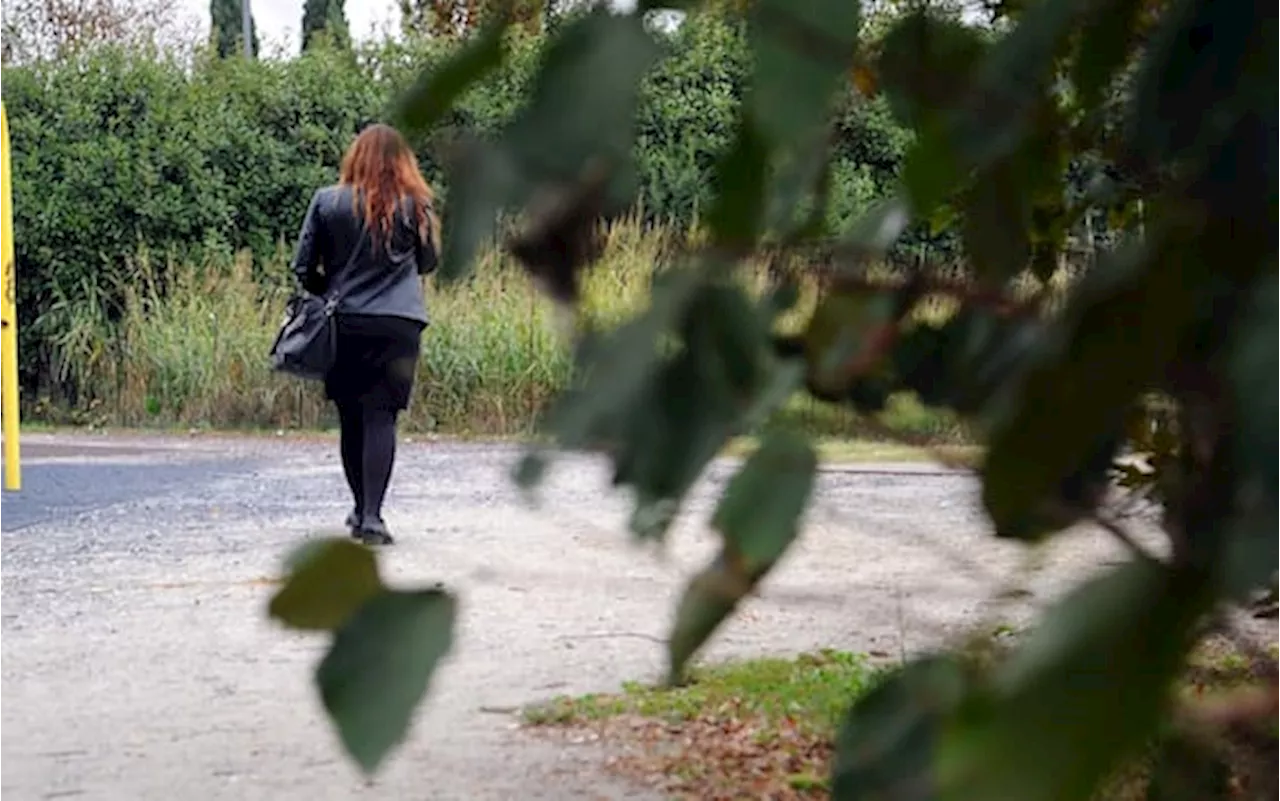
[(374, 532), (353, 524)]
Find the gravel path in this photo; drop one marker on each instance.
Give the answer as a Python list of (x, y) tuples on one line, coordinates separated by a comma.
[(138, 662)]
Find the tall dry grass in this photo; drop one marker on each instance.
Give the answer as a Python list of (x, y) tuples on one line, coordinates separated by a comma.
[(191, 350)]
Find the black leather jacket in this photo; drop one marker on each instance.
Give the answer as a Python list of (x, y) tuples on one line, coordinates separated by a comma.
[(336, 256)]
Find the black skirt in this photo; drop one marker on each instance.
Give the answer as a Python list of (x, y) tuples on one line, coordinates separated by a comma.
[(376, 361)]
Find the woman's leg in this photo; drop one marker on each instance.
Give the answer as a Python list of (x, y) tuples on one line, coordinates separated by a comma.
[(379, 432), (351, 428)]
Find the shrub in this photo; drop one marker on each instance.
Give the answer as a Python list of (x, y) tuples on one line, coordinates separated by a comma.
[(119, 149)]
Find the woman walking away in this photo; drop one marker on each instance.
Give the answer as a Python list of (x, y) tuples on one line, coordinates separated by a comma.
[(364, 244)]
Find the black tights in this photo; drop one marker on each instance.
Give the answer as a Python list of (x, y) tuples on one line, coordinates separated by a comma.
[(368, 453)]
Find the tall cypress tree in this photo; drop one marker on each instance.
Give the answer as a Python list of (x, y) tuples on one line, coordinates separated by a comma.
[(325, 15), (226, 24)]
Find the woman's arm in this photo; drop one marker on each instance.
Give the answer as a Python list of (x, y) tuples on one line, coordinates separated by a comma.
[(306, 259)]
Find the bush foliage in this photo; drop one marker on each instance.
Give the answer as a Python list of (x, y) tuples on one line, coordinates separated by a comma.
[(117, 148)]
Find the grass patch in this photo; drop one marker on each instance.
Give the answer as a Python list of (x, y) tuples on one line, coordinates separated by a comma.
[(809, 691), (190, 350), (850, 451), (765, 728), (768, 723)]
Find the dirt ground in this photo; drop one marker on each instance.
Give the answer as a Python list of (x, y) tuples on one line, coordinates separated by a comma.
[(138, 662)]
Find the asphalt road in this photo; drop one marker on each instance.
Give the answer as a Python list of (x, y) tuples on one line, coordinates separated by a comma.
[(138, 663)]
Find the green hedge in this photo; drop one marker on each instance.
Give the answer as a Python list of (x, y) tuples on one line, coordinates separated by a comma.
[(116, 150)]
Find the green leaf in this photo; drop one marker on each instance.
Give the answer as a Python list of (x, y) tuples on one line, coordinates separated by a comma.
[(996, 222), (1015, 210), (758, 516), (1109, 33), (620, 365), (436, 90), (737, 215), (889, 739), (1208, 63), (707, 601), (729, 332), (486, 180), (563, 235), (802, 51), (665, 391), (1081, 695), (699, 398), (1012, 82), (379, 667), (1253, 378), (1007, 88), (1118, 333), (781, 299), (926, 64), (1251, 559), (329, 580), (672, 435), (932, 170), (923, 357), (580, 116), (582, 104), (1252, 548), (760, 511)]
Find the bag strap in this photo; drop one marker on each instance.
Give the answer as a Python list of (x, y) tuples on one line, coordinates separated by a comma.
[(332, 299)]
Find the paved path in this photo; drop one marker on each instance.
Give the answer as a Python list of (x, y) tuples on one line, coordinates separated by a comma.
[(138, 663)]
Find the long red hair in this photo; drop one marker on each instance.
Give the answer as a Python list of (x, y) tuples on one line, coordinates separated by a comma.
[(382, 168)]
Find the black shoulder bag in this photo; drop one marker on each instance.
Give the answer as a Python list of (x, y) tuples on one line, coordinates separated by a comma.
[(308, 341)]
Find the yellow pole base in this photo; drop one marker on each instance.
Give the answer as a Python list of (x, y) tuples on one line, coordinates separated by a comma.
[(8, 318)]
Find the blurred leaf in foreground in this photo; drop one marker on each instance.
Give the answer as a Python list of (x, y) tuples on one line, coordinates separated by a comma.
[(1115, 340), (700, 397), (925, 65), (435, 91), (1252, 548), (328, 581), (758, 517), (379, 666), (1073, 702), (579, 118), (888, 743), (997, 108), (1081, 694), (1105, 43), (802, 51)]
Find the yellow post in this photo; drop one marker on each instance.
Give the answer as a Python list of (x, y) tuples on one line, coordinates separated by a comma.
[(8, 318)]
